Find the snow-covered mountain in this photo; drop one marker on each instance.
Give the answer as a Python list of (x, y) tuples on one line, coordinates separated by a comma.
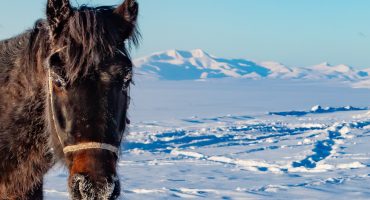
[(197, 64)]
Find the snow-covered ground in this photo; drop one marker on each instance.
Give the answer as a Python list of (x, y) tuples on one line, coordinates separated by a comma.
[(243, 139)]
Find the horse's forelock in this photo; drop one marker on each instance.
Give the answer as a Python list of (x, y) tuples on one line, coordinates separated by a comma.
[(92, 35)]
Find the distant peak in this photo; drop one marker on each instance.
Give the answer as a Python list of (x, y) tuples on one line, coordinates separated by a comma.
[(173, 53), (198, 53), (272, 63), (341, 67), (327, 64)]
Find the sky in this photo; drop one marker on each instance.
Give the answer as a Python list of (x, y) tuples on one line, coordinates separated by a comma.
[(295, 33)]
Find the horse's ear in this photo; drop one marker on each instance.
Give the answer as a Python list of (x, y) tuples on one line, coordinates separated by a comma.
[(129, 10), (57, 12)]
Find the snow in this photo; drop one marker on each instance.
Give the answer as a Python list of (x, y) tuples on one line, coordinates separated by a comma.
[(242, 139), (362, 84), (354, 165), (316, 108), (187, 153)]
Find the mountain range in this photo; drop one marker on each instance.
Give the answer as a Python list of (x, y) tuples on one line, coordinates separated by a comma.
[(198, 64)]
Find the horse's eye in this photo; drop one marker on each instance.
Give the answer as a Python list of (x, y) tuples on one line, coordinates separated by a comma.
[(127, 80), (59, 83), (58, 80), (57, 68), (55, 61)]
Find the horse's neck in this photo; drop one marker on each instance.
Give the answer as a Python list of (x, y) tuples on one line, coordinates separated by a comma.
[(22, 106), (21, 82)]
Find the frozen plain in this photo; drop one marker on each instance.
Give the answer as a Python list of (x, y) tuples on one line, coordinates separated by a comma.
[(219, 139)]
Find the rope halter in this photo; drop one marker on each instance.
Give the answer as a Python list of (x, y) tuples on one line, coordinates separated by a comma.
[(90, 145)]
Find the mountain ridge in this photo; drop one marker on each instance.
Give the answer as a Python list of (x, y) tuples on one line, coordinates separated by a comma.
[(197, 64)]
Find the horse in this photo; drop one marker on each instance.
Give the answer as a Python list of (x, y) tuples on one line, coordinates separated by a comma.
[(64, 96)]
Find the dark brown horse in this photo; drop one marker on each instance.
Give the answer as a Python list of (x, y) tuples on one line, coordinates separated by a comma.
[(63, 97)]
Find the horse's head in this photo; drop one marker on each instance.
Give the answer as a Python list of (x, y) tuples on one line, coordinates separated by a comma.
[(89, 73)]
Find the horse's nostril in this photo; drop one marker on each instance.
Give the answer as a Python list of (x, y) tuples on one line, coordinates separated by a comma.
[(77, 180), (117, 190)]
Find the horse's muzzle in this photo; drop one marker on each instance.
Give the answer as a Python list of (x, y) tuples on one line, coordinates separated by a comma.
[(84, 188)]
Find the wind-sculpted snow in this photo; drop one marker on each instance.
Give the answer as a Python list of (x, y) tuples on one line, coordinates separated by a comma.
[(318, 110), (246, 157), (265, 157), (323, 148), (218, 136)]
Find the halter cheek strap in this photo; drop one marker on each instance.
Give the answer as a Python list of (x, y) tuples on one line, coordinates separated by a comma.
[(81, 146)]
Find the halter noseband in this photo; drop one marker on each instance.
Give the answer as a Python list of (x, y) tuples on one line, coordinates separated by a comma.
[(90, 145), (81, 146)]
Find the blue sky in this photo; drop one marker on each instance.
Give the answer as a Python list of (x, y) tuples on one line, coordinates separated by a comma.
[(296, 33)]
